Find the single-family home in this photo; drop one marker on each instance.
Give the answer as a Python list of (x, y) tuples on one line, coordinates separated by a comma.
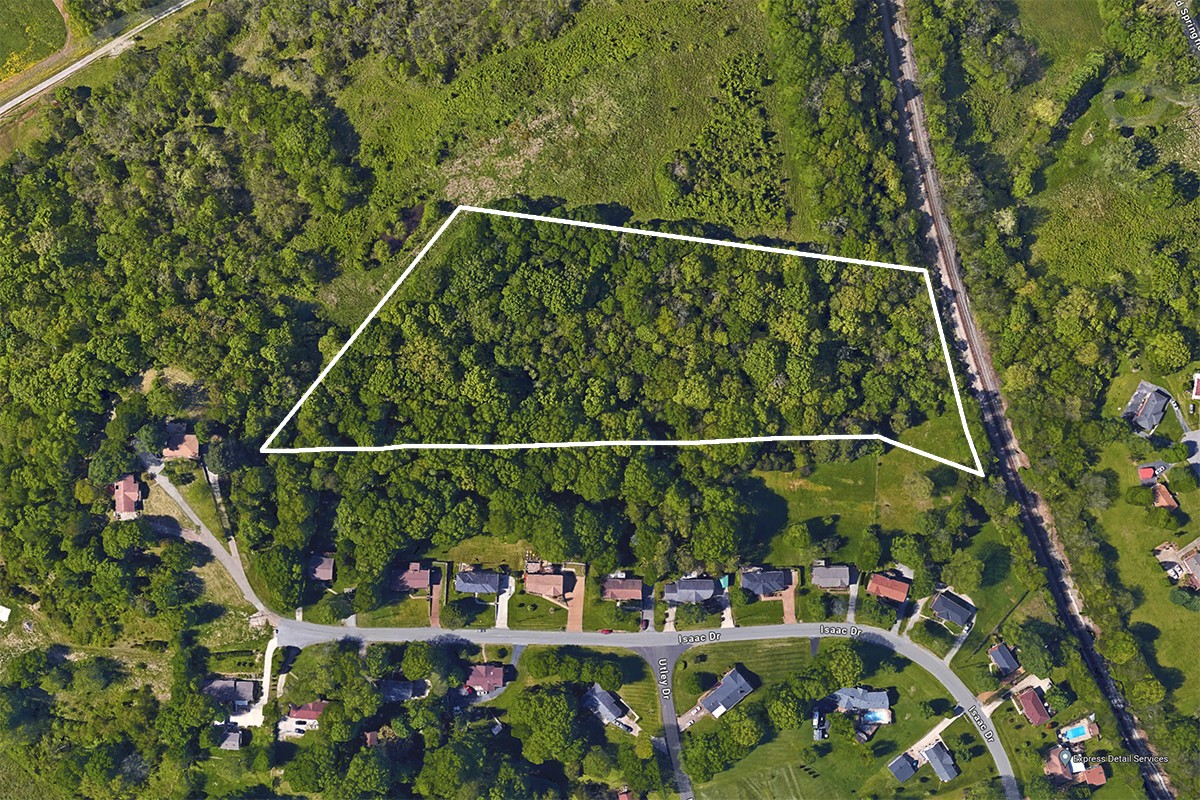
[(952, 608), (1003, 659), (545, 584), (127, 497), (859, 700), (605, 705), (302, 718), (1147, 406), (1064, 765), (690, 590), (415, 578), (622, 589), (831, 577), (942, 762), (1163, 497), (231, 739), (230, 692), (729, 691), (371, 738), (478, 581), (1146, 474), (180, 443), (766, 582), (1030, 703), (888, 587), (903, 767), (485, 678), (402, 691), (320, 568)]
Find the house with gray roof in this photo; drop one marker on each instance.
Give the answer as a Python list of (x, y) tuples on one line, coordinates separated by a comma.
[(731, 690), (477, 581), (831, 576), (231, 739), (766, 582), (690, 590), (903, 767), (1003, 659), (942, 762), (856, 699), (952, 608), (230, 692), (1147, 406), (604, 704), (402, 691)]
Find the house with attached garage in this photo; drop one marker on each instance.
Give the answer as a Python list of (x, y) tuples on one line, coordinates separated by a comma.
[(729, 691), (478, 581), (766, 582)]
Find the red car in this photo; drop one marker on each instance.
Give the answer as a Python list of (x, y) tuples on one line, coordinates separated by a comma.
[(606, 630)]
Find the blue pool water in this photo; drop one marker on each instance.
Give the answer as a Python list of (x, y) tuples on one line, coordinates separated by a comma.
[(876, 716), (1078, 732)]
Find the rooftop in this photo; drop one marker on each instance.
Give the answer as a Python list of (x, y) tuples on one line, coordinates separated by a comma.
[(1006, 663), (690, 590), (545, 584), (831, 576), (181, 445), (856, 699), (320, 568), (485, 678), (903, 767), (477, 581), (766, 582), (952, 608), (1033, 707), (729, 691), (941, 761), (311, 710), (415, 578), (603, 704), (888, 587), (621, 589)]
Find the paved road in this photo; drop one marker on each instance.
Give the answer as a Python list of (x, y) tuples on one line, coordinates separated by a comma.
[(662, 644), (230, 561), (1035, 516), (111, 48)]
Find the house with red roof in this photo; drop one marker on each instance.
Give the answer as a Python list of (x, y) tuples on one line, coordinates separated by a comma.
[(1030, 703), (127, 497), (485, 678), (180, 443), (888, 587)]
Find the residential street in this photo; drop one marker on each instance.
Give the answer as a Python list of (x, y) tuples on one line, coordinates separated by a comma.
[(917, 153)]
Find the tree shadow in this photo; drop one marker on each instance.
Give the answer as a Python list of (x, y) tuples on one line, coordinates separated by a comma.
[(997, 564), (1147, 636)]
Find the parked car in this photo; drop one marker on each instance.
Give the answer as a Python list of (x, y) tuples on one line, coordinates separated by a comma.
[(645, 624), (606, 630)]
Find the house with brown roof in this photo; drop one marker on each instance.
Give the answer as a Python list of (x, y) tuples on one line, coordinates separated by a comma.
[(1163, 498), (320, 568), (622, 589), (1030, 703), (127, 497), (485, 678), (545, 584), (888, 587), (416, 578), (180, 443), (1066, 766)]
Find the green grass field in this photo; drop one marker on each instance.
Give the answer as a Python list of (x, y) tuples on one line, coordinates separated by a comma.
[(30, 30), (199, 496), (783, 767), (528, 612), (588, 116), (771, 660), (599, 614), (761, 612), (407, 612), (1166, 631)]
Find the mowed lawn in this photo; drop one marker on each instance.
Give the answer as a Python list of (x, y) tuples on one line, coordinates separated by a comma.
[(1167, 632), (788, 766), (30, 30)]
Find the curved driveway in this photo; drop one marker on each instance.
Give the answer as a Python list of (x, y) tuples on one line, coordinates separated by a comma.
[(301, 634)]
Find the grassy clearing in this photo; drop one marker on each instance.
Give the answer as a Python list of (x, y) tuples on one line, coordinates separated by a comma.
[(760, 612), (530, 612), (1166, 631), (477, 613), (30, 30), (772, 661), (486, 551), (189, 480), (589, 116), (788, 766), (408, 612)]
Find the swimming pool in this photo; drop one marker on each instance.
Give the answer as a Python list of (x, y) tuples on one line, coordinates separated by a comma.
[(1075, 734), (878, 716)]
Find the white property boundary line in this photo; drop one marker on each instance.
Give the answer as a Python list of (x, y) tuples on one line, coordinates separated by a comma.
[(976, 470)]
